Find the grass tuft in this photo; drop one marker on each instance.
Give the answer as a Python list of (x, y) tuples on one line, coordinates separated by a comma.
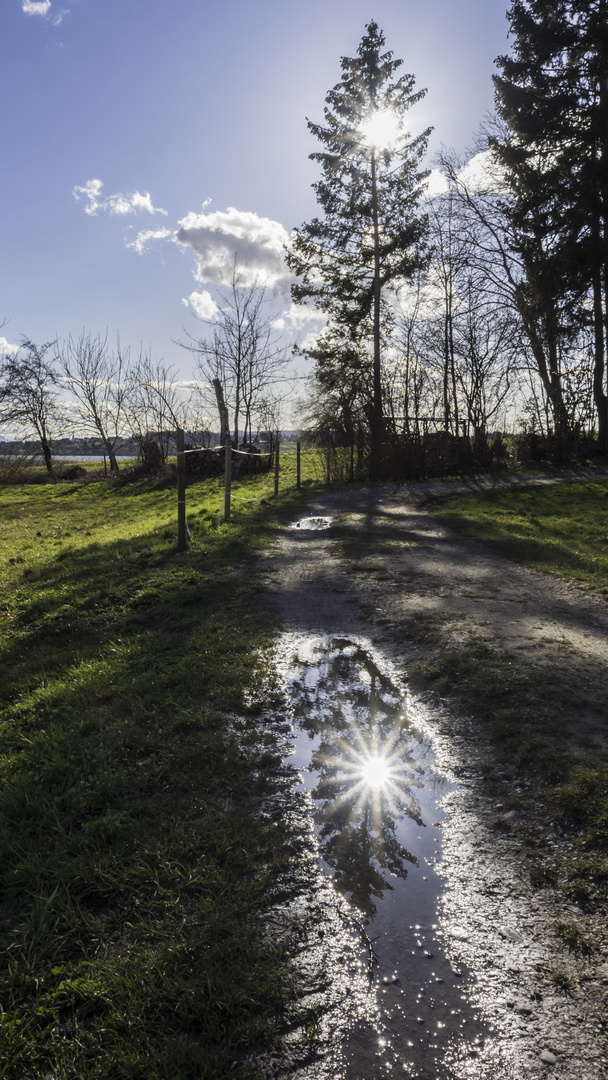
[(573, 937)]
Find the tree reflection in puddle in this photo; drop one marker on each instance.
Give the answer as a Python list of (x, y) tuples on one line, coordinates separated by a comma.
[(366, 775), (366, 756)]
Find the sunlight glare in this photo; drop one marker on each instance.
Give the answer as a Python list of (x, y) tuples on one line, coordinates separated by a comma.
[(376, 772), (381, 129)]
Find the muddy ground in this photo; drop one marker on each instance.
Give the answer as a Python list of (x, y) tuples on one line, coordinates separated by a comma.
[(494, 930)]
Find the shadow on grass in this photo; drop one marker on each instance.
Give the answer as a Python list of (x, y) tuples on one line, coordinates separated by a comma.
[(132, 854)]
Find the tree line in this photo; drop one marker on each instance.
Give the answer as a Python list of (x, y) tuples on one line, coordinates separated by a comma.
[(86, 385), (465, 308), (459, 308)]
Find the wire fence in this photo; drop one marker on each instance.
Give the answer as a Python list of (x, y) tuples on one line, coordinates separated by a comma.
[(436, 453), (328, 465)]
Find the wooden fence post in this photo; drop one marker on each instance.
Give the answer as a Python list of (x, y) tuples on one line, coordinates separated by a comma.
[(351, 476), (227, 479), (181, 491), (360, 449), (277, 464), (328, 465), (298, 466)]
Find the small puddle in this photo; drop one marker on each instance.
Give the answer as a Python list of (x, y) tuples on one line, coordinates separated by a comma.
[(366, 759), (311, 524)]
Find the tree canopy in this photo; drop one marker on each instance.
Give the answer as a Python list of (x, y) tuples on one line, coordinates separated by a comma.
[(552, 94)]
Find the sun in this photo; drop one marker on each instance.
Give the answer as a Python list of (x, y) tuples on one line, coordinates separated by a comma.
[(376, 772), (381, 129)]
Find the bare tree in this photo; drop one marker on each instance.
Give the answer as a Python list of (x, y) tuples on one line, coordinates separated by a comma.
[(243, 351), (97, 379), (29, 395), (156, 405), (488, 343), (547, 314)]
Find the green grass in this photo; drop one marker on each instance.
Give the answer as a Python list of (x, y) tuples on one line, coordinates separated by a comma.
[(560, 529), (561, 981), (570, 934), (522, 703), (132, 857)]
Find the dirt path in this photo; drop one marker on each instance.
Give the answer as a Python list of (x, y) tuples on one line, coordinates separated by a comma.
[(396, 577)]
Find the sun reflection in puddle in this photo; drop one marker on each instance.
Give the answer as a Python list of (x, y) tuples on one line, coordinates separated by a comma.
[(367, 761), (376, 772)]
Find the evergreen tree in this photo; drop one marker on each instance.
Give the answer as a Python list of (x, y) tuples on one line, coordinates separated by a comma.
[(372, 231), (553, 95)]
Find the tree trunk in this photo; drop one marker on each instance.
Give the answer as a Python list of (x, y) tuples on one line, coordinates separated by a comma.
[(223, 411), (601, 309), (599, 393), (47, 453), (446, 369), (547, 368), (376, 419), (237, 410), (111, 456)]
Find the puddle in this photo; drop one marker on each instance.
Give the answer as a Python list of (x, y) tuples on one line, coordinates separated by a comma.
[(369, 772), (312, 524)]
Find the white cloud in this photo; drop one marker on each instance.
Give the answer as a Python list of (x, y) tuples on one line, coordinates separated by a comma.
[(6, 349), (302, 322), (35, 7), (435, 184), (482, 174), (202, 304), (91, 191), (144, 237), (118, 204), (220, 236)]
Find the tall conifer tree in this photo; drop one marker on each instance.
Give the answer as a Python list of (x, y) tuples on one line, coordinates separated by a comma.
[(553, 95), (372, 232)]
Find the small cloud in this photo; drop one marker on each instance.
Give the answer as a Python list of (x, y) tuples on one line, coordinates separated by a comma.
[(302, 322), (219, 237), (131, 204), (43, 8), (202, 304), (298, 316), (90, 191), (144, 237), (6, 349), (482, 174), (35, 7), (435, 184), (118, 204)]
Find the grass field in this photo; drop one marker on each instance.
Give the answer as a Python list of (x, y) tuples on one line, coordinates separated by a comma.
[(133, 861), (560, 529), (132, 857)]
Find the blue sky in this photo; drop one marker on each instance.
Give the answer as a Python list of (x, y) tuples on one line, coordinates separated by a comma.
[(172, 104)]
